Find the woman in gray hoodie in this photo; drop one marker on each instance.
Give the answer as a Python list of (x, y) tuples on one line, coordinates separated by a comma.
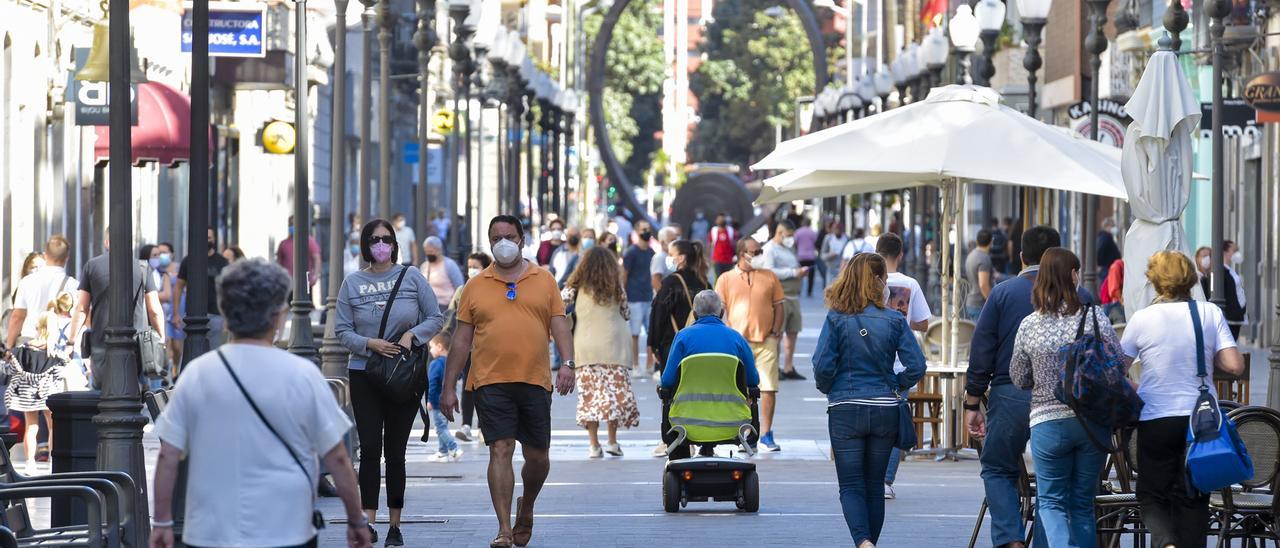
[(414, 317)]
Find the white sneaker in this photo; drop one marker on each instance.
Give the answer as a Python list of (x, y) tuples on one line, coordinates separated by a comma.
[(637, 373), (439, 457), (888, 492), (595, 452), (660, 450), (464, 433), (614, 449), (657, 376), (455, 455)]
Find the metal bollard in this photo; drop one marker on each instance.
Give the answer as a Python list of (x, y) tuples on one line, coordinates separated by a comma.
[(75, 448)]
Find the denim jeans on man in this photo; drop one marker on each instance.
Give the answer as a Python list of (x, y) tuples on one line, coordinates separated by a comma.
[(862, 437), (1008, 419), (447, 443), (1067, 469)]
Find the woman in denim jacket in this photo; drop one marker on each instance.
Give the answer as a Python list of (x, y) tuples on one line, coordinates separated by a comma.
[(853, 366)]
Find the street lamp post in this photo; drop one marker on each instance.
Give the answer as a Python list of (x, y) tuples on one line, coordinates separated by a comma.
[(964, 34), (387, 24), (530, 99), (569, 104), (990, 15), (301, 341), (495, 90), (1095, 44), (1034, 15), (934, 54), (1217, 10), (333, 356), (119, 420), (1175, 21), (883, 83), (425, 39), (460, 54), (365, 176), (515, 109)]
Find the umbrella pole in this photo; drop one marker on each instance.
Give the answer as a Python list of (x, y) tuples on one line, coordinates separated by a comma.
[(944, 278), (959, 204)]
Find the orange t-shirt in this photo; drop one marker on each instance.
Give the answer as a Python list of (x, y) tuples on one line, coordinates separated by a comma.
[(748, 301), (510, 342)]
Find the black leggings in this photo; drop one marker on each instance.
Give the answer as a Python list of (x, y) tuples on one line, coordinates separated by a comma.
[(1171, 514), (375, 416)]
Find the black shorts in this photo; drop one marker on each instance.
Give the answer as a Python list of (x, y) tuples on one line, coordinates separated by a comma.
[(515, 410)]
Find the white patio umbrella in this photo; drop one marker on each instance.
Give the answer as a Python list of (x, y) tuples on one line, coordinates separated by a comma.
[(1157, 166), (958, 134)]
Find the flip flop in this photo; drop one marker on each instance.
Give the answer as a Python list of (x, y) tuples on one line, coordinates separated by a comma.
[(503, 540), (523, 530)]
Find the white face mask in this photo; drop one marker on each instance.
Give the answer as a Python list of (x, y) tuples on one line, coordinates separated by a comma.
[(789, 241), (671, 263), (506, 252), (1237, 258), (473, 272), (1204, 262), (758, 263)]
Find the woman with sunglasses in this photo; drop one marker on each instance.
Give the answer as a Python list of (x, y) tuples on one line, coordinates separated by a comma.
[(412, 319)]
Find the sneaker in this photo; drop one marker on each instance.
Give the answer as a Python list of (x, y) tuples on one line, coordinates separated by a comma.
[(595, 452), (792, 375), (463, 434), (455, 455), (614, 449), (373, 534), (888, 492), (393, 537), (439, 457), (767, 441), (657, 376), (660, 450), (637, 373)]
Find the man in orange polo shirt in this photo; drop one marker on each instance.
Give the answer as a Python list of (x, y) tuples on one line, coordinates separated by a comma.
[(753, 302), (505, 316)]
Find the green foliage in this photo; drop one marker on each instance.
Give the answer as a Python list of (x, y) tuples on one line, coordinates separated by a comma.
[(635, 69), (758, 64)]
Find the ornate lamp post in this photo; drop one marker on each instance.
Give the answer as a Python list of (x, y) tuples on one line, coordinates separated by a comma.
[(461, 56), (866, 90), (542, 92), (883, 83), (515, 110), (1095, 44), (1175, 21), (934, 54), (365, 176), (901, 75), (964, 34), (333, 356), (425, 39), (569, 104), (1034, 15), (301, 341), (495, 90), (530, 98), (487, 31), (990, 15), (1217, 10), (387, 25)]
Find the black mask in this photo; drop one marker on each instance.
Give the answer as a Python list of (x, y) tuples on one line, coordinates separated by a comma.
[(213, 244), (431, 258), (574, 240), (645, 235)]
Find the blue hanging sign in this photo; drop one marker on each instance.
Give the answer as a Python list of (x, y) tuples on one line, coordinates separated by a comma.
[(235, 29)]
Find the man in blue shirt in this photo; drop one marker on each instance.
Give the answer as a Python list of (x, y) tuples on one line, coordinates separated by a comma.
[(707, 335), (1006, 428)]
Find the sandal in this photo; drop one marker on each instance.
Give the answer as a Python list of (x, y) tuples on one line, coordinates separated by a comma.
[(503, 540), (523, 530)]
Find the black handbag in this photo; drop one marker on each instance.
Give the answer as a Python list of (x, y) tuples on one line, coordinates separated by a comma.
[(906, 439), (401, 378)]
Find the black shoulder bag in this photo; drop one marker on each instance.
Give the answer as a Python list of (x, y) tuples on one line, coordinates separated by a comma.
[(317, 519), (403, 377)]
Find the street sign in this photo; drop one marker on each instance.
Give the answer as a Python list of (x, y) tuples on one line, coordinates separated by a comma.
[(279, 137), (91, 97), (1263, 93), (442, 121), (235, 29), (1112, 121), (410, 152)]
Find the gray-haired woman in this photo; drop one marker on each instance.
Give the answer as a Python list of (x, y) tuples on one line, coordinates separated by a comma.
[(413, 317), (441, 272), (246, 383)]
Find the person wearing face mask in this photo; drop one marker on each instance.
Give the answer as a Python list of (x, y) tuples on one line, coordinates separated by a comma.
[(662, 264), (674, 300), (1107, 250), (635, 273), (565, 259), (442, 272), (284, 256), (407, 238), (588, 239), (170, 302), (700, 228), (780, 257), (505, 317), (412, 318), (721, 239), (351, 258), (216, 262), (1235, 311), (1203, 258), (548, 247), (753, 306)]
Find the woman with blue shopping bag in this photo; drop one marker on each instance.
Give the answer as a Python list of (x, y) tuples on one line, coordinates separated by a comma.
[(1169, 338)]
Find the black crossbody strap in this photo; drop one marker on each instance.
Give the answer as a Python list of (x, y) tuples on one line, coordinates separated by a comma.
[(262, 417), (391, 299)]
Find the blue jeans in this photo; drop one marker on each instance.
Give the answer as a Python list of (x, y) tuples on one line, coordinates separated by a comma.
[(862, 437), (891, 473), (443, 436), (1067, 470), (1008, 429)]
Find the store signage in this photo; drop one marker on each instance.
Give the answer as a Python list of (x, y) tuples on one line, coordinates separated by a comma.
[(442, 121), (91, 98), (1263, 93), (1237, 120), (235, 29), (279, 137), (1112, 121)]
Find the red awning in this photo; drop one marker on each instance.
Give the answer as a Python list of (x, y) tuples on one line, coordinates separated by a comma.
[(163, 133)]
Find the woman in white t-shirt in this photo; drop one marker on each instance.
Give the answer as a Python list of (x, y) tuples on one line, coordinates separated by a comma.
[(1162, 337)]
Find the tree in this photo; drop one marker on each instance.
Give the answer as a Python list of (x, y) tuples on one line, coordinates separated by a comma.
[(634, 71), (758, 64)]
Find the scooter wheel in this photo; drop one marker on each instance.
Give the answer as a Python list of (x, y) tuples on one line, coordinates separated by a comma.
[(751, 492), (670, 492)]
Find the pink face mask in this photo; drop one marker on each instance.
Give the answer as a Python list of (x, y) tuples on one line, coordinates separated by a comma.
[(381, 252)]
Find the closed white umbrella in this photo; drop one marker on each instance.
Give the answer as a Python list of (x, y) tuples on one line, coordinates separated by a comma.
[(1157, 167)]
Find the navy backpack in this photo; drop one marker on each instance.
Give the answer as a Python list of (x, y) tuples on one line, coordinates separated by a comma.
[(1092, 382)]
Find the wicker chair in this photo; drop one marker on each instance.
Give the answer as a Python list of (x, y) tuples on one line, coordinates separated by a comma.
[(1250, 512), (1116, 507)]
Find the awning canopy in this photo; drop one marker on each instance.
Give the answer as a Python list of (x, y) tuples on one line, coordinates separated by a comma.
[(163, 133)]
